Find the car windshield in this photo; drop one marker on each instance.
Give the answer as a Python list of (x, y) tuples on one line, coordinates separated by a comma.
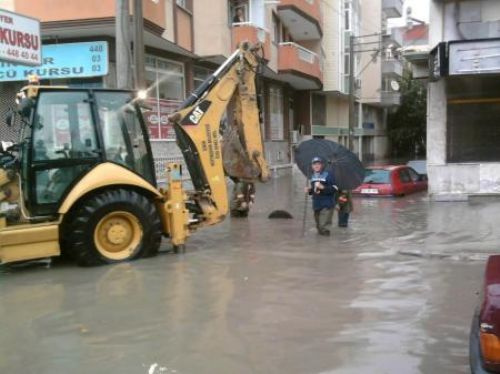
[(376, 176)]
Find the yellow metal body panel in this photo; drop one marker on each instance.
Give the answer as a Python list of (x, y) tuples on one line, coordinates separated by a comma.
[(103, 175), (175, 216), (28, 242)]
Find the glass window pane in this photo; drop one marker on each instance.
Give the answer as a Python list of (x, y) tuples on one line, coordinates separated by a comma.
[(376, 176), (51, 184), (123, 138), (150, 61), (404, 176), (170, 66), (170, 87), (276, 113), (63, 127)]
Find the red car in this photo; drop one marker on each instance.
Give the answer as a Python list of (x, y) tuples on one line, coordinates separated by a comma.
[(484, 339), (392, 180)]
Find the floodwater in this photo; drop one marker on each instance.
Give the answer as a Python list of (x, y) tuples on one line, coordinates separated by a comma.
[(393, 293)]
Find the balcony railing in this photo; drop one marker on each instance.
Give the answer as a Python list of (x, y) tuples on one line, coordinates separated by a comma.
[(392, 67), (303, 53), (390, 98), (295, 59)]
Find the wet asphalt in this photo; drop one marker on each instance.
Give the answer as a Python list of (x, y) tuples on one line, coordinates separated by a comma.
[(392, 293)]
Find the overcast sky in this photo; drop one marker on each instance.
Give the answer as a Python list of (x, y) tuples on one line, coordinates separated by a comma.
[(419, 9)]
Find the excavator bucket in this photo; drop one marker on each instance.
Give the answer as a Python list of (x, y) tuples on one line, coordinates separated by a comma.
[(237, 164)]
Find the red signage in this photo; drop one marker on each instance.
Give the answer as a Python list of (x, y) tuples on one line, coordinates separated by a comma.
[(157, 118)]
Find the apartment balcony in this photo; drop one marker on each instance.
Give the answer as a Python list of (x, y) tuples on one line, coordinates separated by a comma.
[(300, 67), (392, 68), (302, 18), (390, 99), (248, 32), (392, 8)]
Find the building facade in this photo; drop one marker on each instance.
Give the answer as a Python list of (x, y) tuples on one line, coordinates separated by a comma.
[(375, 70), (290, 32), (463, 135)]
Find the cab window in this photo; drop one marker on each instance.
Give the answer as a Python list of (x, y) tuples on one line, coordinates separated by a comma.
[(123, 136), (63, 127)]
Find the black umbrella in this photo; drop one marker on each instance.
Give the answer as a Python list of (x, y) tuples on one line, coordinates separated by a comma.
[(338, 160)]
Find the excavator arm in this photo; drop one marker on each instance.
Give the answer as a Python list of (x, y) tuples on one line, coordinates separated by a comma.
[(210, 156)]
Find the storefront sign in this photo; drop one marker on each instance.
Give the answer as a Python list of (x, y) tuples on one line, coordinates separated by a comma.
[(475, 57), (438, 62), (19, 38), (61, 61), (157, 118)]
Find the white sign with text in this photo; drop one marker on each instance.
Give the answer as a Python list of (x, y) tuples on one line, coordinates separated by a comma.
[(20, 39)]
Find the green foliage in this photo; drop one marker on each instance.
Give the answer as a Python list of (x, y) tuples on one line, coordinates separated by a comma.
[(407, 125)]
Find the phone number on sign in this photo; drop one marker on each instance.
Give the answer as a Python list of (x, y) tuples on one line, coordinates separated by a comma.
[(30, 56)]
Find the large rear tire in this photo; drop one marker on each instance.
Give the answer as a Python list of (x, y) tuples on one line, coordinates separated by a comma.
[(112, 226)]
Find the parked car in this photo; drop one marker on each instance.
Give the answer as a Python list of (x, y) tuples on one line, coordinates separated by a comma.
[(420, 166), (484, 338), (393, 180)]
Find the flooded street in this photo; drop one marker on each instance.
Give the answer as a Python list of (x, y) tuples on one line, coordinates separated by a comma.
[(393, 293)]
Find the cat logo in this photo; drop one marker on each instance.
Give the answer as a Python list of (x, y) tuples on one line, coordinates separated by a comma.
[(196, 115)]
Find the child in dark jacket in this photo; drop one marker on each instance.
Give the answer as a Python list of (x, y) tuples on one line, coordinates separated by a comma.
[(322, 188), (345, 207)]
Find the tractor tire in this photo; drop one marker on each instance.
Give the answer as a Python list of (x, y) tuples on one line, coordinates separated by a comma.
[(112, 226)]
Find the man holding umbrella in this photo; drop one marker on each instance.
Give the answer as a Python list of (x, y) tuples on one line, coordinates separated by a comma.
[(322, 188)]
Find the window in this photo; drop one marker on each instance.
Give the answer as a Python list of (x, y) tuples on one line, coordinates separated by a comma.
[(64, 127), (277, 29), (199, 75), (276, 112), (473, 132), (64, 145), (347, 57), (186, 4), (239, 12), (380, 176), (167, 91), (123, 138), (404, 176), (318, 110), (347, 15), (413, 175)]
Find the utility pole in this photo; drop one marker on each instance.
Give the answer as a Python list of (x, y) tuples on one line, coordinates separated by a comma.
[(122, 37), (139, 71), (352, 77), (352, 98)]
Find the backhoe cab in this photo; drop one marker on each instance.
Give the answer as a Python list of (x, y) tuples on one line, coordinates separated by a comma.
[(81, 178)]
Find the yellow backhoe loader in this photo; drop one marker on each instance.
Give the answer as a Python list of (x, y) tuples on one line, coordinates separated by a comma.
[(81, 179)]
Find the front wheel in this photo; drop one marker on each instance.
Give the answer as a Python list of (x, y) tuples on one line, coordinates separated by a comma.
[(113, 226)]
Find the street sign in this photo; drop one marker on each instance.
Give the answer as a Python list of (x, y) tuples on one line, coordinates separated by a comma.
[(19, 38), (62, 61)]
